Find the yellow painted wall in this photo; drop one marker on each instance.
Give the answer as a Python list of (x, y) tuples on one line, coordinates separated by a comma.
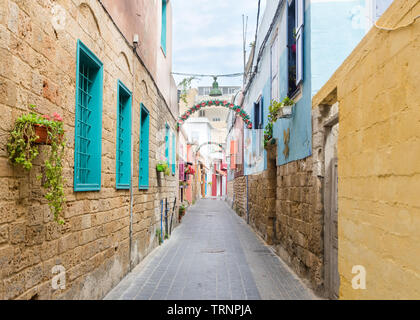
[(378, 90)]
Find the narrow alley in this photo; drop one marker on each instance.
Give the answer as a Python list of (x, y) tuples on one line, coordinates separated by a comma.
[(203, 150), (212, 255)]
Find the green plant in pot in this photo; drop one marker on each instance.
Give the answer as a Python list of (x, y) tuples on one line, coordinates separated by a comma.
[(31, 130), (167, 171), (181, 211), (280, 109), (161, 166), (268, 133)]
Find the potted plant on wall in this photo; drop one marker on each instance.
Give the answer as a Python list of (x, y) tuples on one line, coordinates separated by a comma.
[(287, 109), (181, 212), (283, 109), (268, 134), (31, 130), (163, 168)]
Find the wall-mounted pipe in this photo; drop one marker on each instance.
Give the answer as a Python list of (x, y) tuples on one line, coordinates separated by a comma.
[(130, 235)]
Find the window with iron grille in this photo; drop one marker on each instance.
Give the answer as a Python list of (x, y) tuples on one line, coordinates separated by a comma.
[(144, 149), (123, 154), (88, 126), (167, 143), (173, 153)]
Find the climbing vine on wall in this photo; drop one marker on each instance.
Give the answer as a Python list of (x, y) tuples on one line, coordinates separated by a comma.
[(216, 103)]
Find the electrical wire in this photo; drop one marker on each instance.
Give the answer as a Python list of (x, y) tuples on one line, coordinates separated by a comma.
[(231, 75)]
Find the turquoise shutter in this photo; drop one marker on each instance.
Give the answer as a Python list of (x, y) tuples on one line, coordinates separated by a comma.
[(163, 32), (167, 143), (88, 120), (173, 154), (300, 17), (144, 148), (123, 154)]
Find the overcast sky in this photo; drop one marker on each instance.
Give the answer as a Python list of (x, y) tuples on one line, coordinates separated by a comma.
[(207, 37)]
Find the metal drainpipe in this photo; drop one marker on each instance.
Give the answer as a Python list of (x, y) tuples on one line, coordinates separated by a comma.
[(132, 161)]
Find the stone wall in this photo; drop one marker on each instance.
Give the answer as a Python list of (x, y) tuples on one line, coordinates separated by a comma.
[(299, 220), (285, 209), (38, 66), (262, 199), (240, 201), (378, 158)]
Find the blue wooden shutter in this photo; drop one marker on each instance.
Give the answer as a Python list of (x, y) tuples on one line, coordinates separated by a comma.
[(144, 148), (88, 120), (163, 32), (123, 154), (261, 113), (173, 153), (300, 18)]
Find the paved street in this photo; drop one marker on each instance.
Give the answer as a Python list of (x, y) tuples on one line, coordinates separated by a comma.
[(213, 254)]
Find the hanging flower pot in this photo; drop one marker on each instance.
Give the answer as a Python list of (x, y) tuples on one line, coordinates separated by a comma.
[(29, 131), (287, 111), (42, 134)]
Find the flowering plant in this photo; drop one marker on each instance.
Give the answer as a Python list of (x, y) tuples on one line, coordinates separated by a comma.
[(29, 131), (189, 170)]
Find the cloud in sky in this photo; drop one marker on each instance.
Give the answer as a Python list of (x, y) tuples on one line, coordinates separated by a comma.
[(207, 37)]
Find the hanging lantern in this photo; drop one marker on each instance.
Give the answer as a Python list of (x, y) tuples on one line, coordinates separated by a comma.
[(215, 92)]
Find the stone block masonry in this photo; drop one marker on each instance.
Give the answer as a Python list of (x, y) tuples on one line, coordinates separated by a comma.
[(38, 66), (299, 220), (285, 209)]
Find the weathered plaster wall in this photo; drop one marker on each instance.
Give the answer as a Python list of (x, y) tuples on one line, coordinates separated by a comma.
[(378, 152), (144, 17), (38, 66)]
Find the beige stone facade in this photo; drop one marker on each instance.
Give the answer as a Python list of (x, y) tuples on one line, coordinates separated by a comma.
[(376, 89), (95, 245)]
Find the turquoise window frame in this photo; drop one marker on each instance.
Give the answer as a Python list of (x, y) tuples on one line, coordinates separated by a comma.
[(167, 143), (173, 154), (88, 120), (144, 148), (163, 31), (123, 152)]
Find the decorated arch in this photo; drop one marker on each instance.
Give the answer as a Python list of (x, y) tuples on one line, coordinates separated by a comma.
[(216, 103), (210, 143)]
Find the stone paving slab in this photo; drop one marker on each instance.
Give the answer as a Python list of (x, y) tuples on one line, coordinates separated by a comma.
[(212, 255)]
